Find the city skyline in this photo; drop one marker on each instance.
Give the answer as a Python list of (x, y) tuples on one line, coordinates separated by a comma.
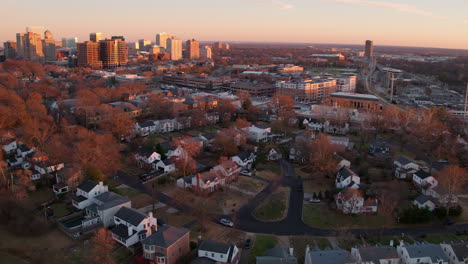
[(397, 23)]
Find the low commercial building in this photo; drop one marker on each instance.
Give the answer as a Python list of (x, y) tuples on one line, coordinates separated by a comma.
[(358, 101), (309, 90), (253, 88)]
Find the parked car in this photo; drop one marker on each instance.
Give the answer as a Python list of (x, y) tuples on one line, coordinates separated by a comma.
[(248, 243), (246, 173), (313, 200), (161, 222), (226, 222), (448, 222)]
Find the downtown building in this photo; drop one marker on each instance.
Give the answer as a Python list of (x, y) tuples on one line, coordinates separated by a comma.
[(113, 52), (369, 49), (11, 51), (193, 49), (205, 52), (308, 90), (174, 47), (48, 45), (88, 54), (29, 47), (161, 39)]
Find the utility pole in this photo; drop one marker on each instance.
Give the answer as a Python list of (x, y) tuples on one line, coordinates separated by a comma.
[(465, 114)]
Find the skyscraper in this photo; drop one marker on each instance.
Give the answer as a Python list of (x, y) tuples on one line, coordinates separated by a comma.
[(155, 49), (10, 49), (174, 47), (88, 54), (193, 49), (95, 36), (48, 46), (113, 52), (369, 53), (205, 52), (69, 42), (144, 44), (30, 46), (161, 39), (38, 30)]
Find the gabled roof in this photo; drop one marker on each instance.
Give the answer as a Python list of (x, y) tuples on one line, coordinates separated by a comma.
[(145, 152), (346, 172), (244, 155), (432, 251), (87, 185), (120, 230), (214, 246), (422, 199), (130, 215), (110, 199), (403, 160), (277, 255), (167, 162), (333, 256), (147, 123), (375, 254), (166, 236), (422, 174), (461, 250)]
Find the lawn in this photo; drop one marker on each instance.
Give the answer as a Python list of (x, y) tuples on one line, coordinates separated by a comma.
[(385, 240), (141, 200), (272, 166), (299, 243), (314, 183), (127, 191), (437, 239), (10, 259), (122, 255), (60, 210), (234, 200), (261, 245), (464, 204), (322, 216), (274, 207), (40, 196), (250, 184)]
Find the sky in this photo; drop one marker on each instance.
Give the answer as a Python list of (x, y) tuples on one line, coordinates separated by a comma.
[(424, 23)]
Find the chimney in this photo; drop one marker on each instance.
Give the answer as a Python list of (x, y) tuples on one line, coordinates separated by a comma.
[(307, 249), (291, 251), (101, 183), (391, 243), (402, 243)]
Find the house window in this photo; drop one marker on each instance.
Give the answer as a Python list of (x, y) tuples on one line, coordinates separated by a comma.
[(212, 255)]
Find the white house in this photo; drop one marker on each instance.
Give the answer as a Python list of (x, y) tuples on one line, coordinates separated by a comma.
[(219, 252), (342, 162), (166, 125), (132, 226), (351, 201), (104, 206), (9, 146), (340, 141), (422, 201), (165, 166), (244, 159), (273, 153), (145, 157), (346, 178), (422, 253), (441, 195), (424, 179), (258, 133), (456, 253), (329, 256), (404, 168), (146, 128), (376, 255), (48, 167), (86, 191)]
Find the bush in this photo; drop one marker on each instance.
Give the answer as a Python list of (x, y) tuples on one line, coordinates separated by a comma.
[(415, 215), (193, 245), (455, 211), (162, 180), (440, 212)]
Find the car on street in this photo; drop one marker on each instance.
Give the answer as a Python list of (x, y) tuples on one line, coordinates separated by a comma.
[(246, 173), (448, 222), (226, 222), (248, 243)]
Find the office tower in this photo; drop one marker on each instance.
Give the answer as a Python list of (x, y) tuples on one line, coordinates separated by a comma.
[(48, 45), (10, 49), (369, 53), (226, 46), (174, 47), (88, 54), (113, 52), (133, 48), (144, 44), (29, 46), (95, 36), (161, 39), (155, 49), (205, 52), (193, 49), (37, 30), (69, 42), (218, 45)]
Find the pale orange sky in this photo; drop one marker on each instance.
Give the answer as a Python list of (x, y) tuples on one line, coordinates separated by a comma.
[(429, 23)]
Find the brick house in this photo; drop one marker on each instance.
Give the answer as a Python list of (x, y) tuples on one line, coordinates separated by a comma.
[(168, 245)]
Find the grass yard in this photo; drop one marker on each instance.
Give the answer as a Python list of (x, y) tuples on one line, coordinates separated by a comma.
[(10, 259), (274, 207), (40, 196), (314, 183), (385, 240), (234, 200), (60, 210), (437, 239), (464, 205), (322, 216), (299, 243), (261, 244), (130, 192), (269, 166), (250, 184), (141, 200), (122, 255)]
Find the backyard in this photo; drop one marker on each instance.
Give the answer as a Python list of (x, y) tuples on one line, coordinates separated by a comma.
[(274, 207), (261, 244), (321, 216)]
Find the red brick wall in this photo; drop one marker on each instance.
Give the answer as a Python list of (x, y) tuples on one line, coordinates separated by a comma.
[(184, 244)]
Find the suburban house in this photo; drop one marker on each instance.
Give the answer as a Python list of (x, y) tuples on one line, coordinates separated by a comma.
[(346, 178), (277, 255), (146, 157), (404, 168), (165, 166), (341, 142), (9, 145), (273, 153), (422, 253), (326, 126), (258, 133), (168, 245), (422, 201), (351, 201), (146, 128), (342, 162), (217, 252), (376, 255), (104, 206), (228, 169), (424, 179), (328, 256), (47, 166), (440, 194), (67, 178), (132, 226), (86, 191), (457, 253), (244, 159), (379, 148)]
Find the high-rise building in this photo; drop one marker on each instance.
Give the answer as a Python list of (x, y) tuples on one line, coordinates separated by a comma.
[(48, 46), (144, 44), (113, 52), (38, 30), (10, 49), (95, 36), (369, 53), (88, 54), (69, 42), (221, 45), (161, 39), (29, 46), (193, 49), (205, 52), (174, 47), (155, 49)]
